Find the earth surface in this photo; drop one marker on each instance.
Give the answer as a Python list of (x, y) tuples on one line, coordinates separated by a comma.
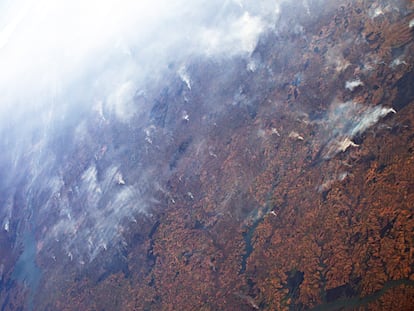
[(280, 180)]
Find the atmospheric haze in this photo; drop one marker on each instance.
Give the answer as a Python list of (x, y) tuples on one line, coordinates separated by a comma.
[(66, 62)]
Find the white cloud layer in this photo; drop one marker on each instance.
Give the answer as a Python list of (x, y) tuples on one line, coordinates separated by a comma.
[(47, 47)]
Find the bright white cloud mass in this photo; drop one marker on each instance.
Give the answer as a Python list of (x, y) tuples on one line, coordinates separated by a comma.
[(48, 46)]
